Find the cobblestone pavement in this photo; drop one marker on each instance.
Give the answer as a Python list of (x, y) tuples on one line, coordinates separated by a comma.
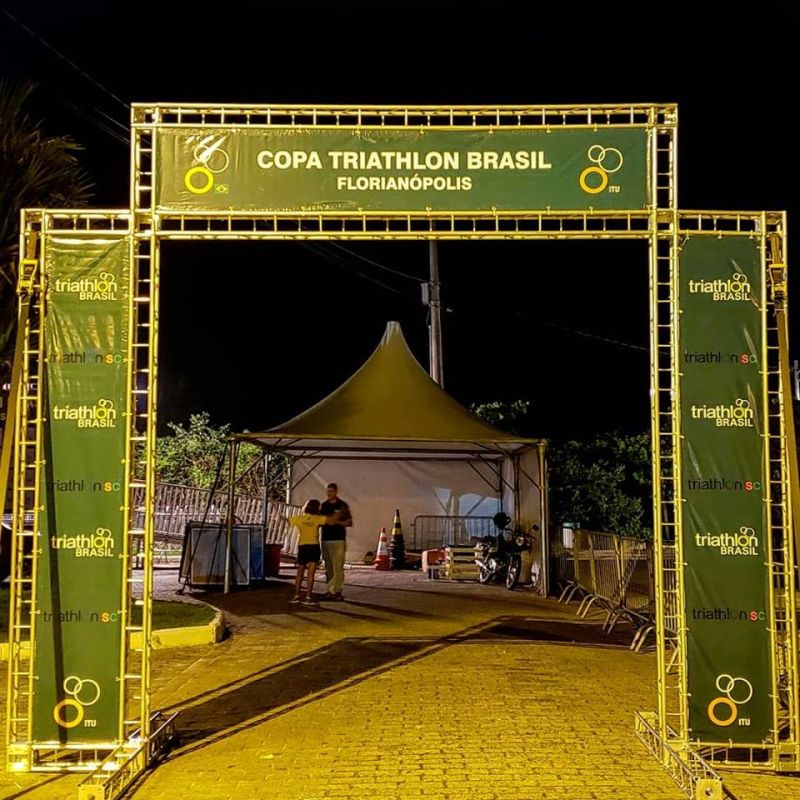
[(409, 689)]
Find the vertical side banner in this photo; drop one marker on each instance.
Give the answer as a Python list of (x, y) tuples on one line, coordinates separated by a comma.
[(79, 627), (725, 534)]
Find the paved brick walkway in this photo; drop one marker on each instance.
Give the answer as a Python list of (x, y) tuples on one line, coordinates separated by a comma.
[(411, 689)]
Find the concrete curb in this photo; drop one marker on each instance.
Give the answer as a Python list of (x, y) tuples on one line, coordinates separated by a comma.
[(166, 638), (193, 636)]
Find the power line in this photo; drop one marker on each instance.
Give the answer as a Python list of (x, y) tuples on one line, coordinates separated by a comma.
[(340, 262), (568, 329), (586, 334), (402, 274), (112, 120), (99, 125), (123, 138), (337, 261), (64, 58)]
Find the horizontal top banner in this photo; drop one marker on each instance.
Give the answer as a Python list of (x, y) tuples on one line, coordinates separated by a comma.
[(349, 170)]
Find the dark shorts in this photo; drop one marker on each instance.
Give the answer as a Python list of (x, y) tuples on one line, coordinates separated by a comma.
[(308, 554)]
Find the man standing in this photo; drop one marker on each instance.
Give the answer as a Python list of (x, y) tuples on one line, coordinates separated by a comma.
[(334, 541)]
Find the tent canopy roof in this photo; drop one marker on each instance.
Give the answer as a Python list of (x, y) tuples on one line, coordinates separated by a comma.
[(390, 405)]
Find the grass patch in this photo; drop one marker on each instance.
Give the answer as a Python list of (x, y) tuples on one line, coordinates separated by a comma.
[(171, 614), (166, 614)]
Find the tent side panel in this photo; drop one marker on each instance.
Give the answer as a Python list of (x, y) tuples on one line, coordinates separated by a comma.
[(374, 489)]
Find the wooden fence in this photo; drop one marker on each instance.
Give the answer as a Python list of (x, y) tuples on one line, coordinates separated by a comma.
[(177, 505)]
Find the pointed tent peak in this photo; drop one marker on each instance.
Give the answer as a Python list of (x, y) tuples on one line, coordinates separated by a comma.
[(393, 329), (394, 338), (390, 398)]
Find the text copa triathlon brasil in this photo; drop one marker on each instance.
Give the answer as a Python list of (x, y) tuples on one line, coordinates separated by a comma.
[(387, 160)]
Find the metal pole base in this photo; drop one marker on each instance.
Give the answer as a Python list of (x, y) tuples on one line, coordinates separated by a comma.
[(125, 764), (695, 777)]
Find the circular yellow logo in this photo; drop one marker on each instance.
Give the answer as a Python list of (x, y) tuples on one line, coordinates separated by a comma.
[(199, 187), (729, 704), (593, 171), (61, 720)]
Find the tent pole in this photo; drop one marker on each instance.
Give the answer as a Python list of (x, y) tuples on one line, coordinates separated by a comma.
[(544, 528), (289, 471), (233, 448), (308, 472), (266, 490)]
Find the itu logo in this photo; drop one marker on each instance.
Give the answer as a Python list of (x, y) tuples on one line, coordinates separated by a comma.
[(605, 161), (734, 692), (209, 161), (71, 712)]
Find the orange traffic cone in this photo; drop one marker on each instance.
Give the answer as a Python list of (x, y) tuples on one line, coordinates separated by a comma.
[(382, 556)]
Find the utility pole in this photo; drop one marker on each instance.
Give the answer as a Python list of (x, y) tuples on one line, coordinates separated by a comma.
[(796, 376), (435, 321)]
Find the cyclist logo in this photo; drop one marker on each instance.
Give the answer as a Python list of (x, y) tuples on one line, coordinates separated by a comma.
[(606, 161), (209, 160), (83, 692), (735, 692)]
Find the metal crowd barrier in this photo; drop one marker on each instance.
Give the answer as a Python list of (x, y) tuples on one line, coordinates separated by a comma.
[(612, 573), (429, 531), (670, 597)]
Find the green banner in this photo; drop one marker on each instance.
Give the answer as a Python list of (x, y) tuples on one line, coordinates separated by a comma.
[(724, 489), (400, 169), (79, 626)]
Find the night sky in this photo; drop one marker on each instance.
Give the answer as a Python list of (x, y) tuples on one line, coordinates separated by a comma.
[(256, 332)]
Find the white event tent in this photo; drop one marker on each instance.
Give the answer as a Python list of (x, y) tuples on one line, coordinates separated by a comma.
[(391, 438)]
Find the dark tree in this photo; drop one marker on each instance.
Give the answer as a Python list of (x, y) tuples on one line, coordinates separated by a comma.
[(36, 171)]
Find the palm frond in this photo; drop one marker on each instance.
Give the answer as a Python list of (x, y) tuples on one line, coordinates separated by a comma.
[(36, 171)]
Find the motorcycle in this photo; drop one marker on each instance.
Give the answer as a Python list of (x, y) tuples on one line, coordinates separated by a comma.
[(499, 557)]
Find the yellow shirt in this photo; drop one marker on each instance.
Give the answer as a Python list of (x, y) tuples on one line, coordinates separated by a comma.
[(308, 525)]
